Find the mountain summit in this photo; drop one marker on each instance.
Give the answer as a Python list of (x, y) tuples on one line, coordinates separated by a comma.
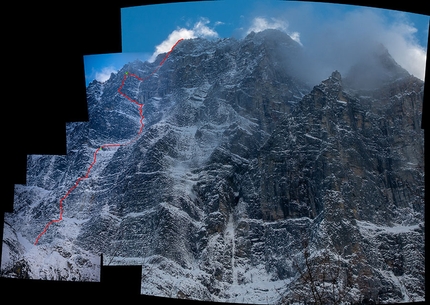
[(244, 180), (375, 69)]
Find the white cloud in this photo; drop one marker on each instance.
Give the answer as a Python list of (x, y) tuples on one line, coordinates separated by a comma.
[(260, 24), (167, 44), (295, 36), (401, 43), (200, 29), (105, 73)]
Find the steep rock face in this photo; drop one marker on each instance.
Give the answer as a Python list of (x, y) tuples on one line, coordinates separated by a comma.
[(238, 165), (336, 156), (341, 140)]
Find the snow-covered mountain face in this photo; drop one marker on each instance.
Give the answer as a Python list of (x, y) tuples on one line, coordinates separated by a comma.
[(242, 169)]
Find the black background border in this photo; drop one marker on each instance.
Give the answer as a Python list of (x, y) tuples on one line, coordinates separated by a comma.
[(43, 48)]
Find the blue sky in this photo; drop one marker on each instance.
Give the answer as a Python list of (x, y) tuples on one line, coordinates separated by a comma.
[(337, 31)]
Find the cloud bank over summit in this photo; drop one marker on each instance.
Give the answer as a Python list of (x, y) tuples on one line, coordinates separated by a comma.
[(342, 42), (334, 41), (337, 41)]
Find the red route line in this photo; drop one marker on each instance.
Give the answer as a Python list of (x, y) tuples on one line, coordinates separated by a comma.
[(140, 106)]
